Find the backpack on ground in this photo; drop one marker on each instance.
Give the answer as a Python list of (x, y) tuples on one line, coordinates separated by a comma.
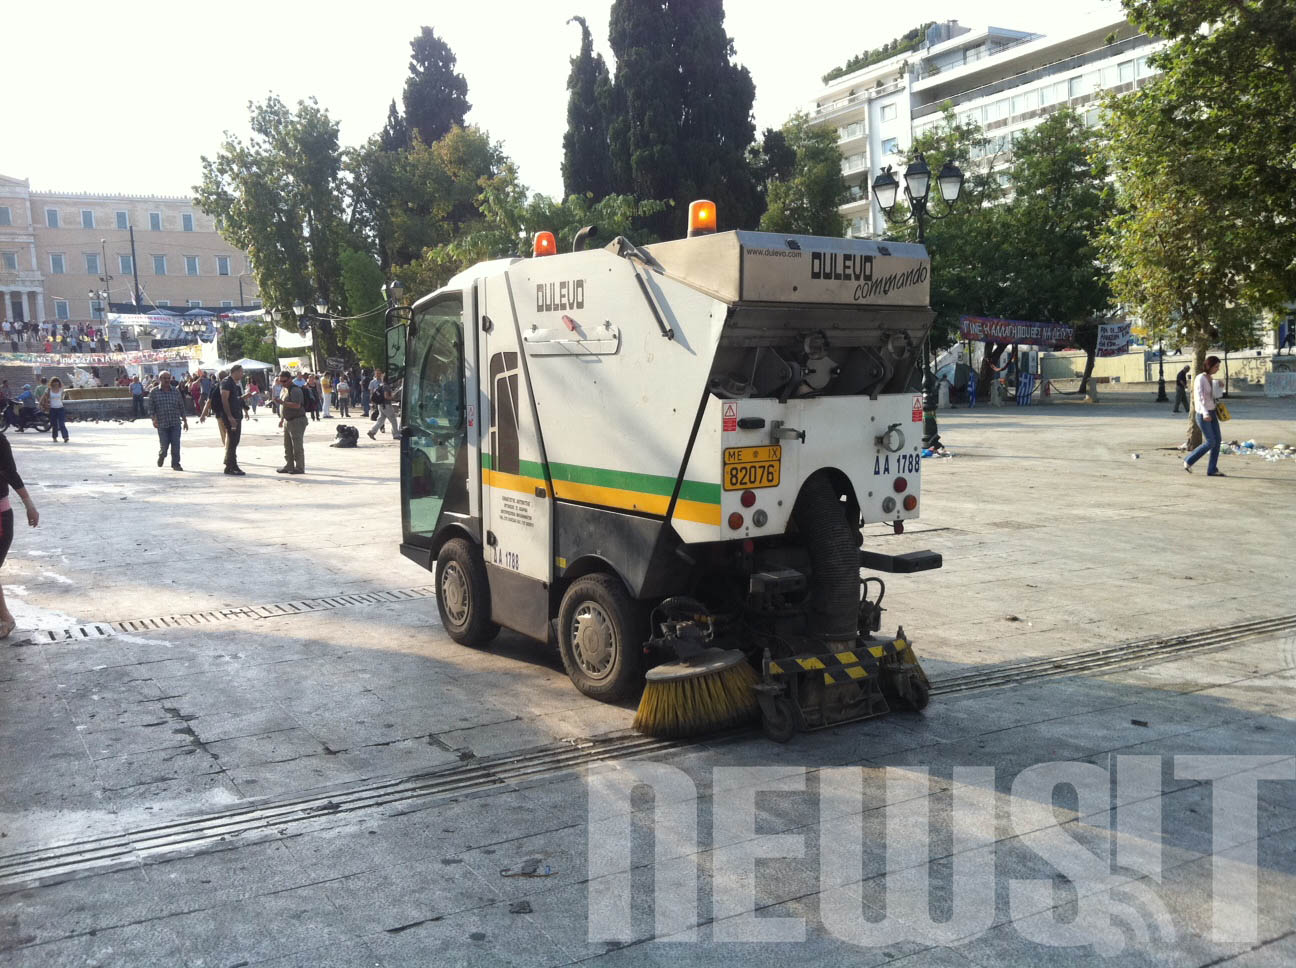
[(347, 436)]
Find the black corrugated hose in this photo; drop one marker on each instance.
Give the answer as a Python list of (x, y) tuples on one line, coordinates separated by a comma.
[(834, 555)]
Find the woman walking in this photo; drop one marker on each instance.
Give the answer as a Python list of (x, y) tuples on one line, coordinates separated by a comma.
[(58, 416), (9, 479), (1207, 420)]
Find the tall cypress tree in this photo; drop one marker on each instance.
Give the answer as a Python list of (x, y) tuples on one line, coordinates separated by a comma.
[(395, 133), (644, 132), (586, 166), (716, 124), (681, 111), (436, 96)]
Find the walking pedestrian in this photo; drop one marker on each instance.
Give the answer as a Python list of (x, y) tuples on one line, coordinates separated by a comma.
[(363, 388), (53, 402), (326, 393), (312, 396), (380, 403), (232, 413), (343, 388), (196, 392), (137, 398), (211, 406), (292, 404), (10, 479), (1181, 389), (1207, 420), (167, 404), (42, 391)]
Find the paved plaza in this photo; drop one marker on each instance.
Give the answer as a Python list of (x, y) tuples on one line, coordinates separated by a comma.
[(234, 734)]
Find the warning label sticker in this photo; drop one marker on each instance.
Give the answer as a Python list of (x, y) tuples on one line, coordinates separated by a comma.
[(917, 408), (729, 415)]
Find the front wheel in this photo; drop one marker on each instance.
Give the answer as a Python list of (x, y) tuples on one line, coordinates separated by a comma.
[(463, 594), (600, 637)]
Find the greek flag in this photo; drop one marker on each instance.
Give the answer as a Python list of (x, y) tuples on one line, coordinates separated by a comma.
[(1025, 387)]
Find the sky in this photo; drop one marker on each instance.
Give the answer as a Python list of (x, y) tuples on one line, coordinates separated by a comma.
[(125, 98)]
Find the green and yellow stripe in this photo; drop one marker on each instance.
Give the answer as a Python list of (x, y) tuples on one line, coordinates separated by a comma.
[(625, 490)]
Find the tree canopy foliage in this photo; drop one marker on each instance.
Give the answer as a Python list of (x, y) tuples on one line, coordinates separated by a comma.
[(278, 196), (805, 187), (585, 164), (680, 112)]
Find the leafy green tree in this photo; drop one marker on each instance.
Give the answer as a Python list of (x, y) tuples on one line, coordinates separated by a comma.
[(585, 165), (771, 160), (1062, 196), (436, 96), (1204, 158), (253, 341), (395, 133), (807, 199), (362, 282), (278, 196)]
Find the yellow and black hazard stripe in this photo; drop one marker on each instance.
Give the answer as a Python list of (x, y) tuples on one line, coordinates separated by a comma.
[(838, 667)]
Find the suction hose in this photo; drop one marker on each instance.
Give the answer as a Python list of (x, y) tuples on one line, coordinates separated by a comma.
[(834, 556)]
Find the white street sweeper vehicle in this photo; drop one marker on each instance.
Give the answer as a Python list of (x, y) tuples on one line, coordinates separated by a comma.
[(662, 457)]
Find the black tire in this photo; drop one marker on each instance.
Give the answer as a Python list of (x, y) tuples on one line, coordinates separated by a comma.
[(463, 594), (778, 720), (600, 638)]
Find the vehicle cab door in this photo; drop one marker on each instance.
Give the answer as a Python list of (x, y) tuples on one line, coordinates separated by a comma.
[(440, 468)]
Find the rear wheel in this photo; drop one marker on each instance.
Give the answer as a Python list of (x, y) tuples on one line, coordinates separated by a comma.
[(600, 637), (463, 595)]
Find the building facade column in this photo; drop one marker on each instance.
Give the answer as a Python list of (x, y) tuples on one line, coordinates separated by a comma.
[(39, 296), (4, 304)]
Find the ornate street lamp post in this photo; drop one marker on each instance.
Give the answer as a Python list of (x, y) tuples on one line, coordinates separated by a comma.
[(917, 190)]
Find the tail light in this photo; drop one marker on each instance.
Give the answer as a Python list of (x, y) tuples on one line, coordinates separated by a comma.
[(748, 498), (735, 521), (910, 502), (900, 485)]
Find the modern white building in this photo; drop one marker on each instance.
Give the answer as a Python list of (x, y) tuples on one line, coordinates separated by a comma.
[(1006, 80)]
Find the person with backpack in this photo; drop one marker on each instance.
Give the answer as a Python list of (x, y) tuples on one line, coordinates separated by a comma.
[(292, 403), (231, 412), (211, 403), (380, 403)]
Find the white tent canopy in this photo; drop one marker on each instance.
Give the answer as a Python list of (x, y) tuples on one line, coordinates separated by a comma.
[(249, 364)]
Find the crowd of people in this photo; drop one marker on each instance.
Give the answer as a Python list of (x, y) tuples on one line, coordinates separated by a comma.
[(55, 336), (230, 396)]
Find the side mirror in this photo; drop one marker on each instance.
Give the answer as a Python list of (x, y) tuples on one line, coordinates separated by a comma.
[(396, 339)]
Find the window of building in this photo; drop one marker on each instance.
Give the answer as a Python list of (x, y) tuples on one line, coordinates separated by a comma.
[(888, 112), (890, 146), (155, 221), (1109, 77), (51, 218), (87, 218), (96, 309), (857, 227), (159, 265), (1126, 70), (61, 309), (125, 265), (191, 265), (123, 221), (195, 303), (6, 216), (1074, 87), (853, 162), (227, 304), (186, 222), (57, 264), (92, 263), (1143, 67), (222, 265), (164, 302), (256, 303), (10, 261)]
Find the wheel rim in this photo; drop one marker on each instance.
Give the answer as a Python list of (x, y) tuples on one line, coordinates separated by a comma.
[(454, 593), (594, 640)]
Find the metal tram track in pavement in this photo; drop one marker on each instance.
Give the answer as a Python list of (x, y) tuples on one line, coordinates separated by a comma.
[(1138, 652), (270, 818), (206, 617), (266, 819)]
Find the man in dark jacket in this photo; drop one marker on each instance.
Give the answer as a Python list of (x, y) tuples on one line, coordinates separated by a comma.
[(1181, 389)]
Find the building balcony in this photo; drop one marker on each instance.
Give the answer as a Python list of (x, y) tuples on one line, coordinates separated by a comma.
[(842, 108), (22, 279), (856, 205)]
